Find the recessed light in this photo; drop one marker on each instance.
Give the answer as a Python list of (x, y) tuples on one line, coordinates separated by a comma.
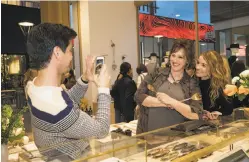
[(158, 36), (178, 15), (25, 23)]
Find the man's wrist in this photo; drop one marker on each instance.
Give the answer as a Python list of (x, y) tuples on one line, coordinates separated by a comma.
[(84, 78), (104, 90)]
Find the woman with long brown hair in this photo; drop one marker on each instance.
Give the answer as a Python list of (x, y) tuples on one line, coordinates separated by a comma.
[(161, 93), (212, 73)]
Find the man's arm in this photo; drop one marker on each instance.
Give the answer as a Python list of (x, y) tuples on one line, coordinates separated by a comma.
[(78, 90), (86, 127)]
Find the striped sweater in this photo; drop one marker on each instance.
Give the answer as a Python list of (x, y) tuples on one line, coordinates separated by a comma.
[(59, 126)]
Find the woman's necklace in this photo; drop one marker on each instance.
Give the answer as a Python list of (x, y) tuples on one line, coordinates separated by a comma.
[(174, 81)]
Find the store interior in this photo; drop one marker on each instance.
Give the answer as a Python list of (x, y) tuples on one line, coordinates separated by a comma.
[(128, 31)]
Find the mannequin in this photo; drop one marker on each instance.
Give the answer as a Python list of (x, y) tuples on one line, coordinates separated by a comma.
[(165, 60), (153, 63)]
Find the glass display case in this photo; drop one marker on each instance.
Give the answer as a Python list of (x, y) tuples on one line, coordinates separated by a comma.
[(113, 148), (190, 142), (116, 149)]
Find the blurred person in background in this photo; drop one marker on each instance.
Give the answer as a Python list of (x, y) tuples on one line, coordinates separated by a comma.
[(123, 94), (69, 81), (142, 72)]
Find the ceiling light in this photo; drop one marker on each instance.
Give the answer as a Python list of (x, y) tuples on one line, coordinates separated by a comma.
[(178, 15), (203, 44), (25, 26), (25, 23), (158, 36)]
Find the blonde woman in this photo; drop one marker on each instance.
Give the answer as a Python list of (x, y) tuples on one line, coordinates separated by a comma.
[(212, 73)]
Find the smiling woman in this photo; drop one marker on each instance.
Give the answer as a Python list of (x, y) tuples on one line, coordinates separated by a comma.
[(172, 85), (210, 69)]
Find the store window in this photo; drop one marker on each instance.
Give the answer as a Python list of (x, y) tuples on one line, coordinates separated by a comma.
[(220, 25), (231, 26), (207, 36), (160, 23)]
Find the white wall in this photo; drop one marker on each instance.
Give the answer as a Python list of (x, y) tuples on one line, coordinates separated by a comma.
[(106, 21)]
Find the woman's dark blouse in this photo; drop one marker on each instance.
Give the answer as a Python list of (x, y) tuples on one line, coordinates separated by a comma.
[(221, 104)]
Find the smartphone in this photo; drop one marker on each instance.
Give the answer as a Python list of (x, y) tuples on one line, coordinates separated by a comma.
[(100, 60)]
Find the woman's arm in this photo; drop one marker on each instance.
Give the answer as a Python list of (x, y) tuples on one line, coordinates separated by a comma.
[(142, 98), (191, 110), (152, 102), (225, 104), (182, 108), (185, 110)]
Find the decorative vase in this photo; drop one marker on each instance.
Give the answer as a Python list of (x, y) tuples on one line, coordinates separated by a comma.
[(4, 153)]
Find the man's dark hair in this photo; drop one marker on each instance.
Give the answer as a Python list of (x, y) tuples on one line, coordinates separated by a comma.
[(43, 38)]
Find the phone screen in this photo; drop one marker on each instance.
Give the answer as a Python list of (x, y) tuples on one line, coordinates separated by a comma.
[(100, 60)]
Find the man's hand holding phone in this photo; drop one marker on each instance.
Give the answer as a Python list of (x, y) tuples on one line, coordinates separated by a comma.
[(103, 79)]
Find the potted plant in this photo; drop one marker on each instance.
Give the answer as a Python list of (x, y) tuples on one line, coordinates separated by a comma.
[(12, 128)]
